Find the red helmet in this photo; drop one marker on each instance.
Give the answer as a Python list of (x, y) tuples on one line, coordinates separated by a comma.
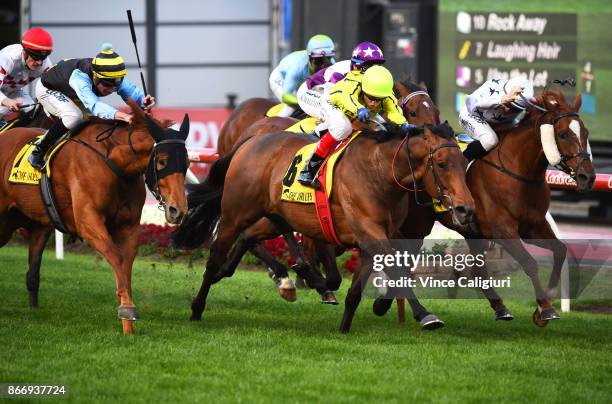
[(37, 42)]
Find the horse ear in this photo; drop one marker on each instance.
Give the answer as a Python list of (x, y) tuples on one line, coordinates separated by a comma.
[(423, 86), (577, 103), (155, 131), (136, 110), (184, 130)]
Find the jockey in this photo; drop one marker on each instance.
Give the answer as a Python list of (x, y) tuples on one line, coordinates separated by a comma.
[(294, 68), (20, 64), (73, 88), (495, 102), (357, 96), (312, 92)]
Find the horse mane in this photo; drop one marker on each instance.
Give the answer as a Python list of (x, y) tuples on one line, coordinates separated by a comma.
[(443, 130)]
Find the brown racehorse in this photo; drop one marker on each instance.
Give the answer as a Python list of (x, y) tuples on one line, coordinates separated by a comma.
[(99, 190), (418, 108), (512, 197), (368, 203)]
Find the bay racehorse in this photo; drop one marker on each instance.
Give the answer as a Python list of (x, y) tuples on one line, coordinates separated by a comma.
[(247, 121), (512, 197), (369, 201), (98, 185)]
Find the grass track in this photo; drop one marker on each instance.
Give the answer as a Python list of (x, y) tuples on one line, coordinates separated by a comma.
[(254, 347)]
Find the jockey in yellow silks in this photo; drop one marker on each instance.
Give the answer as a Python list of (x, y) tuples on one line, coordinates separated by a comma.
[(358, 96)]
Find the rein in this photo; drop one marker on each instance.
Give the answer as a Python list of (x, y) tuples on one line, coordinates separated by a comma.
[(441, 195), (153, 185), (430, 165), (563, 166)]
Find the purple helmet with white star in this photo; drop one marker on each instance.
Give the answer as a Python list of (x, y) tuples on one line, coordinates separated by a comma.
[(367, 52)]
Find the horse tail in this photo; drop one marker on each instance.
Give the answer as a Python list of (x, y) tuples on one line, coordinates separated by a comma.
[(198, 225)]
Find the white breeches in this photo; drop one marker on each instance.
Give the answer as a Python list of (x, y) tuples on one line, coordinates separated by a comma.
[(477, 128), (57, 104), (311, 100)]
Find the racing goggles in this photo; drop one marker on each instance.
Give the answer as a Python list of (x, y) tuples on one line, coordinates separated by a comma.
[(37, 55), (319, 61), (110, 82)]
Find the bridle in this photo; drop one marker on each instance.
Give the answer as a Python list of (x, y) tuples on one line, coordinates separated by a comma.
[(430, 165), (177, 165), (565, 158)]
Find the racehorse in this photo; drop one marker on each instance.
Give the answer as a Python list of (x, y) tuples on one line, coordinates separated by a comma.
[(99, 192), (368, 204), (417, 107), (512, 197)]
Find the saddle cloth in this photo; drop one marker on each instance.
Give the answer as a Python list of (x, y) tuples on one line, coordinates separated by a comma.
[(293, 191), (22, 171)]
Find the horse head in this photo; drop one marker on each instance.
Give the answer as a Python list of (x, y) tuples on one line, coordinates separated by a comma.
[(565, 138), (168, 163), (416, 104), (441, 167)]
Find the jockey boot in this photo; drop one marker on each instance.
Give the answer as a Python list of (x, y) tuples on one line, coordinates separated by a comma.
[(474, 150), (308, 176), (37, 157)]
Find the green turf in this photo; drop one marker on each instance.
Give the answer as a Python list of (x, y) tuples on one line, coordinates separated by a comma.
[(254, 347)]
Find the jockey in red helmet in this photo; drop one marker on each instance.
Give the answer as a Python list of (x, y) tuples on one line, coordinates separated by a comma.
[(20, 64)]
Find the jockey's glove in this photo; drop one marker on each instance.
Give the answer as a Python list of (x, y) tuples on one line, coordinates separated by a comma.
[(363, 115)]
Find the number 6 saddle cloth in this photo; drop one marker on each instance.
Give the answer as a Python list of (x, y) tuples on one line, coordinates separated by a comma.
[(293, 191)]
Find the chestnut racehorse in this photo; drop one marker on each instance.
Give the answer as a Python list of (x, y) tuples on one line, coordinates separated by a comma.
[(369, 202), (99, 191), (512, 197)]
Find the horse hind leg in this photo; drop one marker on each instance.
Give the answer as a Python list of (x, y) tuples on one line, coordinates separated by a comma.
[(37, 242)]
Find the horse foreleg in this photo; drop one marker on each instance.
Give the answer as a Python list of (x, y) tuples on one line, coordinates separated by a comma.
[(91, 227), (543, 236), (326, 254), (218, 257), (544, 311), (127, 240), (36, 245), (478, 246)]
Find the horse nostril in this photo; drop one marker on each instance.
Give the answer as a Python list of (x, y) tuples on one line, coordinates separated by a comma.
[(173, 212)]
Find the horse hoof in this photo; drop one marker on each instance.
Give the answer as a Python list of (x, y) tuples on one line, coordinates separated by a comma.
[(195, 317), (549, 314), (289, 295), (33, 298), (537, 319), (328, 297), (128, 313), (381, 306), (503, 315), (431, 322)]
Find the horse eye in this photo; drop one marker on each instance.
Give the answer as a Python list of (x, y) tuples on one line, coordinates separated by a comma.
[(442, 165), (161, 164), (413, 113), (563, 135)]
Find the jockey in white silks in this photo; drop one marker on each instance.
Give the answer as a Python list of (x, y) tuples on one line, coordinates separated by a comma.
[(497, 101)]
